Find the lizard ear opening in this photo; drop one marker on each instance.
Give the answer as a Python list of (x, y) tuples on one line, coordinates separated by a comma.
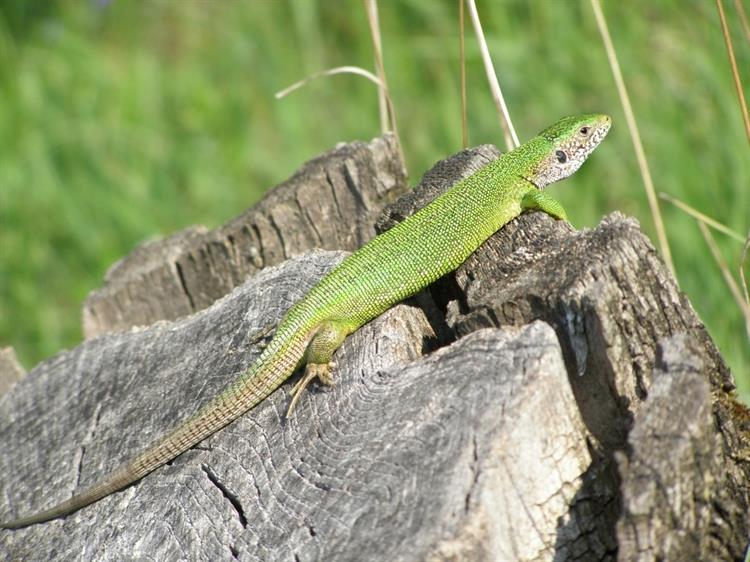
[(561, 156)]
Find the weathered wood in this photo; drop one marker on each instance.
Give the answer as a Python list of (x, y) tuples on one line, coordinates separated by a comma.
[(583, 414), (435, 452), (330, 203), (264, 489), (83, 412), (678, 499), (611, 301), (10, 369)]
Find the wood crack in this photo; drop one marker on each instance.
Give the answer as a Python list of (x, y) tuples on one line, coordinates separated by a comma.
[(231, 497)]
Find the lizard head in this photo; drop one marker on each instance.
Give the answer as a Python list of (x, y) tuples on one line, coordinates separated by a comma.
[(566, 145)]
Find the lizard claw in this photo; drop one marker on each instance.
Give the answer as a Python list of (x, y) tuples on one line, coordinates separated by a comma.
[(325, 375)]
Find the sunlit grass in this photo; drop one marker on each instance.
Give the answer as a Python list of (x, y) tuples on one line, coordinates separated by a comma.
[(122, 121)]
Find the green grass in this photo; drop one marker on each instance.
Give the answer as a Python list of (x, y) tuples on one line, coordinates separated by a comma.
[(123, 121)]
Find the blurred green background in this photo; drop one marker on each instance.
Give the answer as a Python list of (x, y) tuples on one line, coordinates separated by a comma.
[(123, 121)]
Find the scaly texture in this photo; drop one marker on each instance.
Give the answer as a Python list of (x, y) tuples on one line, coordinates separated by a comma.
[(390, 268)]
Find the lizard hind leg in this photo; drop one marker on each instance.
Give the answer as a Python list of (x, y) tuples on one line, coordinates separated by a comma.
[(318, 358)]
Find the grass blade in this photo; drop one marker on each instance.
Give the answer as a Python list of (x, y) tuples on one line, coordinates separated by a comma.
[(462, 63), (511, 139), (330, 72), (731, 283), (635, 136), (371, 8), (385, 103), (733, 64), (701, 217), (743, 19)]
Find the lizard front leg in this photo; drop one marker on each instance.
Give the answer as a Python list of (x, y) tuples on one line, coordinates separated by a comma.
[(543, 201), (319, 358)]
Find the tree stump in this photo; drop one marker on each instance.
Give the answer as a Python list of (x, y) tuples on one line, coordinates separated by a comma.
[(556, 398)]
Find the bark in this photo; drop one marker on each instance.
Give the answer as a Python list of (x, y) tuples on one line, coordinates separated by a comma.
[(555, 399)]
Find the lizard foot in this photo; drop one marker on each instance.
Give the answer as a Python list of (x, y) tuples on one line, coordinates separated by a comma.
[(320, 370), (325, 375)]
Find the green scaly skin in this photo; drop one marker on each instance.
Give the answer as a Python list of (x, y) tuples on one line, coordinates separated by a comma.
[(390, 268)]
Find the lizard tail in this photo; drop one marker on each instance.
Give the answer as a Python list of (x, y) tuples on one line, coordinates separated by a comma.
[(115, 481), (276, 363)]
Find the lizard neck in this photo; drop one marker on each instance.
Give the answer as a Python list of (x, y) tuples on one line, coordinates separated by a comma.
[(532, 162)]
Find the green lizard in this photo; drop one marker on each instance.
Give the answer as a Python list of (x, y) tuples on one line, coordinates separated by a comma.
[(391, 267)]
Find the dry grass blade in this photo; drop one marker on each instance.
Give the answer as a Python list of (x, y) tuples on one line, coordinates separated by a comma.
[(731, 283), (701, 217), (462, 57), (635, 136), (372, 18), (371, 8), (743, 18), (511, 139), (735, 72), (330, 72), (384, 97)]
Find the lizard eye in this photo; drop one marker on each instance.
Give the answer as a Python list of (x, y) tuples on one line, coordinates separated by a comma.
[(584, 131), (561, 156)]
